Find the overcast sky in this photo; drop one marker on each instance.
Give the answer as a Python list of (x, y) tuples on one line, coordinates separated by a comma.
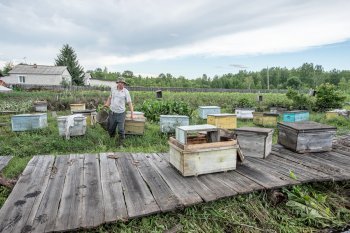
[(181, 37)]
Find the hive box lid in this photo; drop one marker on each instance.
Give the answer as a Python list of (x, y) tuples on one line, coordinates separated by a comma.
[(30, 115), (306, 126), (254, 129), (197, 127), (84, 111), (209, 107), (174, 116), (222, 114), (296, 111)]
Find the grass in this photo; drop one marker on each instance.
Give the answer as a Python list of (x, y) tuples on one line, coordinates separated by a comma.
[(254, 212)]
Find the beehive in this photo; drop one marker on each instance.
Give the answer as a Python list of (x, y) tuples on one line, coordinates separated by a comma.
[(76, 128), (40, 106), (254, 141), (135, 126), (331, 114), (199, 149), (77, 107), (223, 120), (24, 122), (265, 118), (244, 113), (295, 116), (168, 123), (203, 111), (90, 115), (306, 136)]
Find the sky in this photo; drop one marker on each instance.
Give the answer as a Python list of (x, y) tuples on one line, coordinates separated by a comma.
[(183, 37)]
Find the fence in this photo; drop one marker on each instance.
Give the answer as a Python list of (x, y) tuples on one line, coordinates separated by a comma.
[(153, 89)]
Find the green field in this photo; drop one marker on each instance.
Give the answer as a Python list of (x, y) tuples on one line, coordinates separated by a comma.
[(254, 212)]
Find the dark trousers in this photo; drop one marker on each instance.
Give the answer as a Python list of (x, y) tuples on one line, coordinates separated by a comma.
[(116, 120)]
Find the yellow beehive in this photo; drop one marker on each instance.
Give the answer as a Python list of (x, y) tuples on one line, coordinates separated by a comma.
[(77, 107), (223, 120), (135, 126), (331, 115), (265, 118)]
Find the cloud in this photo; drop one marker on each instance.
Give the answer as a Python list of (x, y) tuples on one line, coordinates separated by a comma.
[(109, 32)]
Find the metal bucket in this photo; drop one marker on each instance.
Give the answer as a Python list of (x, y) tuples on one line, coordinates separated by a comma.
[(102, 119)]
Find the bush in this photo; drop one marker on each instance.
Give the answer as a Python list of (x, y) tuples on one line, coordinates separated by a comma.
[(300, 101), (327, 97), (154, 108)]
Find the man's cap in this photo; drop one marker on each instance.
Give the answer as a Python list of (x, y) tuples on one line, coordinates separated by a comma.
[(121, 80)]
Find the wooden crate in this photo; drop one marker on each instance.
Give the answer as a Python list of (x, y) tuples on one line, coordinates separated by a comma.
[(331, 115), (90, 115), (203, 111), (244, 113), (306, 136), (223, 120), (182, 133), (24, 122), (135, 126), (77, 107), (168, 123), (77, 127), (196, 159), (296, 116), (40, 106), (254, 141), (265, 118)]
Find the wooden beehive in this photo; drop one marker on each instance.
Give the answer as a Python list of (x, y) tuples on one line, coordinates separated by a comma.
[(331, 114), (40, 106), (223, 120), (90, 115), (77, 107), (254, 141), (244, 113), (168, 123), (306, 136), (202, 154), (203, 111), (77, 128), (24, 122), (265, 118), (296, 116), (135, 126)]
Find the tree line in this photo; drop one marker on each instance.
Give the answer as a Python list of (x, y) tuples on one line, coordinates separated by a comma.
[(307, 75)]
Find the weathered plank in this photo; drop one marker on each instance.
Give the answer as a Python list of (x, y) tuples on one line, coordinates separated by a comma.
[(263, 177), (162, 193), (138, 198), (4, 161), (214, 182), (113, 197), (69, 211), (20, 208), (314, 163), (45, 216), (92, 213), (180, 185)]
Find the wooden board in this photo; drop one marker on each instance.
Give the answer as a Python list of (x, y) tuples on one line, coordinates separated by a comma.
[(139, 200), (69, 211), (21, 207), (45, 217), (4, 160), (113, 197)]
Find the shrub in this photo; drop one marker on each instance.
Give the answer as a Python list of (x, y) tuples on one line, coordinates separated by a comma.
[(328, 97), (300, 101)]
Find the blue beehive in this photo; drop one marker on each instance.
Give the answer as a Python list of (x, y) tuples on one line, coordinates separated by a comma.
[(203, 111), (168, 123), (296, 116), (24, 122)]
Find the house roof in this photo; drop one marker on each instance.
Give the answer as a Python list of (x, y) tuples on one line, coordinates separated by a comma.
[(37, 69)]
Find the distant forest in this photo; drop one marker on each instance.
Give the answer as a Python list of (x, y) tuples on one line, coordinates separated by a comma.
[(306, 76)]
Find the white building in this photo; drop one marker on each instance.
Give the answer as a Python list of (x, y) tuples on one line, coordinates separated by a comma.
[(38, 75)]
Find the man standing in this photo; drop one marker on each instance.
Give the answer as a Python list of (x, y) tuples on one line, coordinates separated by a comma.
[(116, 102)]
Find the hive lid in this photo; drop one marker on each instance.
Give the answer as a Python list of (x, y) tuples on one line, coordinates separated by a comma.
[(84, 111), (305, 125), (296, 111), (222, 114), (173, 116), (30, 115), (254, 129), (209, 107)]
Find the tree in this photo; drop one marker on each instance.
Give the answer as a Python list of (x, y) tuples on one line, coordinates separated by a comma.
[(68, 57), (294, 82), (7, 68), (328, 97)]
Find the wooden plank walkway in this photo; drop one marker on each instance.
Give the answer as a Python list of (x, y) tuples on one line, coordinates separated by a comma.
[(71, 192), (4, 160)]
